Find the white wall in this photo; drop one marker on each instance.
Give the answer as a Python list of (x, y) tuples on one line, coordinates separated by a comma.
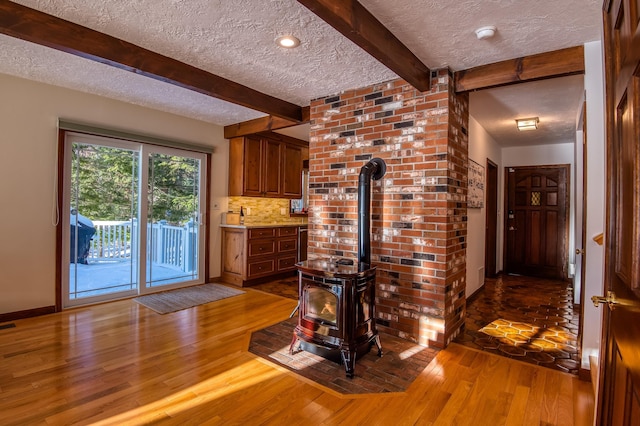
[(29, 115), (482, 147), (539, 155)]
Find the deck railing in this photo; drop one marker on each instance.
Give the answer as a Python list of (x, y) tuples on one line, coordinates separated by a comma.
[(167, 245)]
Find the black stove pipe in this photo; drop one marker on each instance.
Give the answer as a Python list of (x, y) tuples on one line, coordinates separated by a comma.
[(374, 169)]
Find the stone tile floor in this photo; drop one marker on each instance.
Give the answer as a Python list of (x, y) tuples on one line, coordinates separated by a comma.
[(530, 319)]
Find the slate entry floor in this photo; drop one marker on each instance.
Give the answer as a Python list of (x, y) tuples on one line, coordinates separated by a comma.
[(525, 318)]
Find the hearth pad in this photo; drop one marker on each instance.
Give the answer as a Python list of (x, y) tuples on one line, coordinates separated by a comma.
[(402, 362)]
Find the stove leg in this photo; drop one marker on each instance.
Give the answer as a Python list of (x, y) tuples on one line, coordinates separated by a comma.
[(293, 348), (349, 360), (378, 344)]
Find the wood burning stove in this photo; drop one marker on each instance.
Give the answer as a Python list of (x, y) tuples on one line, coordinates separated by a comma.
[(336, 308), (336, 316)]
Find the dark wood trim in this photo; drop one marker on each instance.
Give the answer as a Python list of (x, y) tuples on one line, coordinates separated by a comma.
[(262, 124), (491, 220), (38, 27), (29, 313), (357, 24), (217, 279), (584, 374), (284, 138), (306, 114), (558, 63), (475, 294)]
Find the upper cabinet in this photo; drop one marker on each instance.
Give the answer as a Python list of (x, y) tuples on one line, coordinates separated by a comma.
[(266, 165)]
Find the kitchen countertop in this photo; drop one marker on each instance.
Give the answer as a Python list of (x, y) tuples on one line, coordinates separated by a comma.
[(263, 225)]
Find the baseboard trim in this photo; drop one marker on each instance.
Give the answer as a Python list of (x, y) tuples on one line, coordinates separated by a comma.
[(29, 313), (584, 374), (475, 294)]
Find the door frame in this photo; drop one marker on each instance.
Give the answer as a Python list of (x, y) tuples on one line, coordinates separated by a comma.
[(567, 201), (580, 251), (491, 221)]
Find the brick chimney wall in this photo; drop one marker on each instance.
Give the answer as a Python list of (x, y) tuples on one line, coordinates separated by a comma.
[(418, 238)]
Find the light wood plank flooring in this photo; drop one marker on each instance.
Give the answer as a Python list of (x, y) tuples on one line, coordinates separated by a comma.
[(122, 364)]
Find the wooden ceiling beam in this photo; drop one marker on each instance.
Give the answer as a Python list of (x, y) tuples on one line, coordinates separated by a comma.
[(558, 63), (263, 124), (356, 23), (38, 27)]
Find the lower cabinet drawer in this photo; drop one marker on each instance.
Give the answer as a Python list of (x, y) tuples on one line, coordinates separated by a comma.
[(285, 263), (287, 244), (287, 232), (261, 247), (261, 268)]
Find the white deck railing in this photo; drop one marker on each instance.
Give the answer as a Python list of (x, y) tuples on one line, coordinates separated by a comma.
[(167, 245)]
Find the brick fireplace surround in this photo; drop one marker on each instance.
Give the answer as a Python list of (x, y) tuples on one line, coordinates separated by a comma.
[(419, 222)]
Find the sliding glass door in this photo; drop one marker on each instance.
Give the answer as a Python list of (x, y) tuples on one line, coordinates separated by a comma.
[(173, 218), (134, 218)]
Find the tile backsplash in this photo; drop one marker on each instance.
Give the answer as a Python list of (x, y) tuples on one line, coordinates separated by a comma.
[(264, 210)]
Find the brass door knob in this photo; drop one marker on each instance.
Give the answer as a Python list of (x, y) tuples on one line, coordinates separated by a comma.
[(579, 251), (610, 300)]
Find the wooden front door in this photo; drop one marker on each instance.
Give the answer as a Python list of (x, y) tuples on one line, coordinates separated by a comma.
[(536, 225), (619, 392)]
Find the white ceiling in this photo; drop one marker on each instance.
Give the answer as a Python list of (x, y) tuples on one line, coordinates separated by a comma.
[(235, 39)]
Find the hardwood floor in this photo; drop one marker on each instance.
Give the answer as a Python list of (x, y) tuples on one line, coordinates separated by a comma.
[(121, 363)]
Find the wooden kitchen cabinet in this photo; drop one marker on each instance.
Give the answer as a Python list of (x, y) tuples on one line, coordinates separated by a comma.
[(252, 255), (266, 165)]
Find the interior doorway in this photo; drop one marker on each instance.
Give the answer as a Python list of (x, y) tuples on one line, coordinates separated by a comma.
[(491, 236), (132, 217)]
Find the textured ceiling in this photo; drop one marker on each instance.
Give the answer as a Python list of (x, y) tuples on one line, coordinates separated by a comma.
[(441, 33), (555, 102), (235, 40)]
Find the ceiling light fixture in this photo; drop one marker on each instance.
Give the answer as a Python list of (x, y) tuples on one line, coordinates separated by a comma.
[(485, 32), (288, 41), (527, 123)]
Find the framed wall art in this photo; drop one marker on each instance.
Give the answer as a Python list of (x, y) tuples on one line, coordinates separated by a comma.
[(475, 193)]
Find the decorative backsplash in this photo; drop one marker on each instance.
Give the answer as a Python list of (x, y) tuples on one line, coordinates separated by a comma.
[(264, 210)]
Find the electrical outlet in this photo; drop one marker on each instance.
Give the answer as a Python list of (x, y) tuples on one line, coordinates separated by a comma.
[(216, 206), (283, 211), (248, 211)]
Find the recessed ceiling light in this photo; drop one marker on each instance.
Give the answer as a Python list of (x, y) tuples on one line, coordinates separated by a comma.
[(288, 41), (527, 123)]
